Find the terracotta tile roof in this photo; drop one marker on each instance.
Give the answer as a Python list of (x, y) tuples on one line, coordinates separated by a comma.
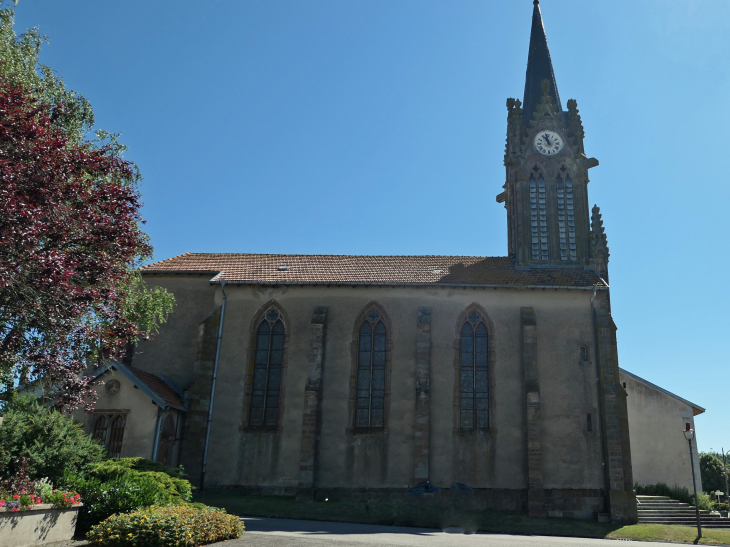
[(372, 270), (160, 386)]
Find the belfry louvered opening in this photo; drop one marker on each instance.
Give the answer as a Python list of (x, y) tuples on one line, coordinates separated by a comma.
[(538, 215), (566, 216)]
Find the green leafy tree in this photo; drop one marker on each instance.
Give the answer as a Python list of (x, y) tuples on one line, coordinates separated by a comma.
[(70, 240), (711, 472)]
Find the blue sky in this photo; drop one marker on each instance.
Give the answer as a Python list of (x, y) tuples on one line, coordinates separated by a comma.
[(378, 127)]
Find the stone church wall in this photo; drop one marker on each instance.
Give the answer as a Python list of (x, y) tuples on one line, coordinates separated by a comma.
[(494, 459)]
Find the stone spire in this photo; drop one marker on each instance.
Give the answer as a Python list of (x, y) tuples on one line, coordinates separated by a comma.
[(539, 68)]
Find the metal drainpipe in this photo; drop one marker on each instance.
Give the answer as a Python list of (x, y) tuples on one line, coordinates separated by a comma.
[(212, 387), (157, 434), (606, 478)]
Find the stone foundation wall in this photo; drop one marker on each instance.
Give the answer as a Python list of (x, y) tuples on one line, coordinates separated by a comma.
[(561, 503), (574, 503)]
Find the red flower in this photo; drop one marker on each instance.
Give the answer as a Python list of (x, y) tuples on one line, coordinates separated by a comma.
[(16, 497)]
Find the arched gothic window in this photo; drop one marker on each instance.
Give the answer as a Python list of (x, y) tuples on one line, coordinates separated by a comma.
[(267, 370), (116, 436), (108, 431), (474, 373), (370, 398), (538, 215), (566, 216), (101, 426)]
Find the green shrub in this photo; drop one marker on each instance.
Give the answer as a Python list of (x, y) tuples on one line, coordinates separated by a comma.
[(173, 488), (679, 493), (121, 494), (51, 441), (181, 525), (704, 501)]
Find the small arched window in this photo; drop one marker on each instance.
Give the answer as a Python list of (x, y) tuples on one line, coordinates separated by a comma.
[(116, 436), (267, 370), (474, 374), (370, 399), (101, 427)]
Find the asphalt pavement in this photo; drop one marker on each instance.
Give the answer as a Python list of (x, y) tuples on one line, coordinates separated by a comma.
[(264, 532)]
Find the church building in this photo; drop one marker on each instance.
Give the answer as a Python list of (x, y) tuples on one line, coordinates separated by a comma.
[(328, 375)]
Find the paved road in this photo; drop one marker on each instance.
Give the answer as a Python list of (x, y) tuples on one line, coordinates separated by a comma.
[(262, 532)]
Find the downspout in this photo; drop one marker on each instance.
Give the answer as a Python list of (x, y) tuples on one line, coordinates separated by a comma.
[(157, 434), (606, 480), (212, 387)]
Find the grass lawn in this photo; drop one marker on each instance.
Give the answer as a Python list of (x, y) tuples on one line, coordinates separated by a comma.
[(429, 513)]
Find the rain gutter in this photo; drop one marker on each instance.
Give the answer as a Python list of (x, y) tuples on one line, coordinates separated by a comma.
[(212, 387)]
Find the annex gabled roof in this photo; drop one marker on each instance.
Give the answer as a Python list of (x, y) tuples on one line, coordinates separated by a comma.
[(154, 386), (696, 409), (280, 269)]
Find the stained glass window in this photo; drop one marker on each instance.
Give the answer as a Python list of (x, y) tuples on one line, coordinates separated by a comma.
[(370, 396), (267, 371), (474, 375)]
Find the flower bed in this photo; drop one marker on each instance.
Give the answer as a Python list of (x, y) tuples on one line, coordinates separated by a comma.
[(33, 512), (24, 501)]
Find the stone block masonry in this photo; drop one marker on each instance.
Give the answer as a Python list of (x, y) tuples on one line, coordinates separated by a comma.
[(198, 398), (312, 413), (423, 384), (622, 499), (535, 492)]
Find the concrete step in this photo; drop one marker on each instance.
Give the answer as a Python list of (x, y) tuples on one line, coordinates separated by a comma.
[(673, 509), (663, 510)]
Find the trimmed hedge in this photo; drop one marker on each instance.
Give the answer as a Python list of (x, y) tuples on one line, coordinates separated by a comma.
[(174, 488), (120, 495), (51, 442), (180, 525)]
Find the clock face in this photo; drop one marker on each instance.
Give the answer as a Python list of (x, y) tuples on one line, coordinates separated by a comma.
[(548, 143)]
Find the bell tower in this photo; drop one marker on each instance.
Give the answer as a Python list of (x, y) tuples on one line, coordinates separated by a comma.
[(545, 193)]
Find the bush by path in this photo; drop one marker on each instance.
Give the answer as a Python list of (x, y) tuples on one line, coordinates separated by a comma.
[(183, 526)]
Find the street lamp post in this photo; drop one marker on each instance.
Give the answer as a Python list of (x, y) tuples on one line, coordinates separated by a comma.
[(724, 472), (689, 434)]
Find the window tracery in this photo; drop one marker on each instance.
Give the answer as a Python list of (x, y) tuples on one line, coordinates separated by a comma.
[(371, 358), (268, 359), (474, 373)]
